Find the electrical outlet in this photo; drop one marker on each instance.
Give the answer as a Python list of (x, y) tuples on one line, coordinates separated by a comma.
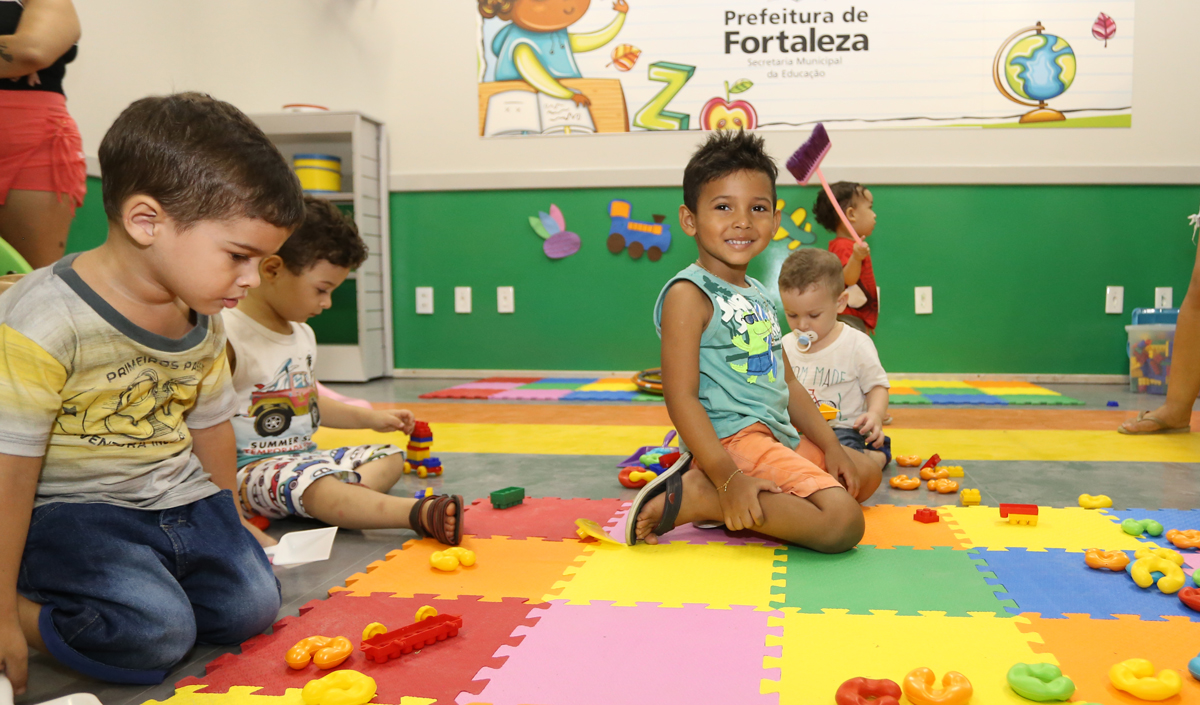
[(1114, 299), (1163, 297), (924, 299), (505, 300), (425, 300), (462, 299)]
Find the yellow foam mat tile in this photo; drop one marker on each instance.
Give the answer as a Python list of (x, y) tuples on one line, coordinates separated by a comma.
[(1026, 391), (951, 444), (503, 567), (822, 651), (622, 386), (1073, 529), (537, 439), (955, 444), (674, 574), (245, 695), (938, 383)]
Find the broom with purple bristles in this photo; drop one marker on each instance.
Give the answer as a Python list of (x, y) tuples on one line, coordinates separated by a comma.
[(807, 160)]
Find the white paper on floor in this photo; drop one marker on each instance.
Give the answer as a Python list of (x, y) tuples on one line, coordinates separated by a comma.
[(302, 547)]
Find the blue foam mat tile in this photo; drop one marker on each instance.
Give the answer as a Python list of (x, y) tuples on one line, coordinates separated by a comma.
[(599, 396), (1170, 519), (1054, 583), (567, 380), (980, 399)]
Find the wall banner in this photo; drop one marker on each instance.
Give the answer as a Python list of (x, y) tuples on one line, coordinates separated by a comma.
[(580, 67)]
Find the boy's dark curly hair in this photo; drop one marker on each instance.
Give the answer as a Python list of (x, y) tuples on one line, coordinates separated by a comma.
[(808, 267), (497, 8), (326, 234), (724, 153), (846, 192)]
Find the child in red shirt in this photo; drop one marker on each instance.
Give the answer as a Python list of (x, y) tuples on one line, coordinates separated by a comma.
[(857, 203)]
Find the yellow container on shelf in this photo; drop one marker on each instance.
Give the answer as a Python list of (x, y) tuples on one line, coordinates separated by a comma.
[(318, 172)]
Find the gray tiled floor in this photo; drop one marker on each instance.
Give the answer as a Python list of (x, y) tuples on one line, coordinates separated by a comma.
[(1143, 485)]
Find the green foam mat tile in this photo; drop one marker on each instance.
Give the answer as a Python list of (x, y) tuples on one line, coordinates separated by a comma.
[(1040, 400), (647, 397), (901, 579)]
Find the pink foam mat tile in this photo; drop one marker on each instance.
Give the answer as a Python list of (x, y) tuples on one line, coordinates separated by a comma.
[(461, 394), (641, 654), (532, 394), (488, 385), (691, 534), (549, 518)]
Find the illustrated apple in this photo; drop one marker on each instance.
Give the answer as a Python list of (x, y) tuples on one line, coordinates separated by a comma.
[(721, 114)]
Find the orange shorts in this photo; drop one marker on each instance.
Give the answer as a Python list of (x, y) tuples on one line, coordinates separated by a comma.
[(757, 453), (40, 147)]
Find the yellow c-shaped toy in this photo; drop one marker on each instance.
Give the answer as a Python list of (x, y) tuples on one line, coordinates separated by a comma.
[(1136, 677), (339, 688), (1100, 501), (1172, 579), (1174, 556)]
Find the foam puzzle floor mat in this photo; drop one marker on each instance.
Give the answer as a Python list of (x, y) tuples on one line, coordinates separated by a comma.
[(620, 389), (710, 616), (975, 393)]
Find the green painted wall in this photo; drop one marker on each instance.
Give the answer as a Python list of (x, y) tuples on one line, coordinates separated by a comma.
[(1018, 275)]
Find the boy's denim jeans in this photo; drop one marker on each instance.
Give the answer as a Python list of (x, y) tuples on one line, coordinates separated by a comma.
[(127, 593)]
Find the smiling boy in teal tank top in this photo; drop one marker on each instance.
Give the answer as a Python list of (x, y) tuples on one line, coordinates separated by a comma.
[(760, 456)]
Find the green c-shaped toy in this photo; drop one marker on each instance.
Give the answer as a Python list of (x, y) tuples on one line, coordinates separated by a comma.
[(1041, 682), (1135, 527)]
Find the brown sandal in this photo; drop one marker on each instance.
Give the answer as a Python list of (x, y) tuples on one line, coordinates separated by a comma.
[(1162, 427), (438, 530)]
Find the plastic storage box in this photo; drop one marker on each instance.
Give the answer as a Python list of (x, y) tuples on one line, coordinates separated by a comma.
[(1150, 348)]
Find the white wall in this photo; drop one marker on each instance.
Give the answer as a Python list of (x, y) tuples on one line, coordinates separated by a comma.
[(412, 64)]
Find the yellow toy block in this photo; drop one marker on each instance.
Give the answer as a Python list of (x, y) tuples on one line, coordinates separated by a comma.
[(970, 497), (953, 470)]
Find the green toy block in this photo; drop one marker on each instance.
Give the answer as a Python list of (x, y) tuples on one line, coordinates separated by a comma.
[(508, 497)]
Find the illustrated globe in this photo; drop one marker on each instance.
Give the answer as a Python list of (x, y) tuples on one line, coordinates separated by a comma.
[(1040, 67)]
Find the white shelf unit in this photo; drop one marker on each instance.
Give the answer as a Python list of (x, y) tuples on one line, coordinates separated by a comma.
[(362, 144)]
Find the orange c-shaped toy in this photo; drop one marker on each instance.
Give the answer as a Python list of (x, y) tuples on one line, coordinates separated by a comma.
[(1187, 538), (943, 485), (1113, 560), (325, 652), (904, 482), (908, 461), (919, 687), (934, 473)]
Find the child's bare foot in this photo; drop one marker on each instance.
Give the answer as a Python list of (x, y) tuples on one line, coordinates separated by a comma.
[(699, 503)]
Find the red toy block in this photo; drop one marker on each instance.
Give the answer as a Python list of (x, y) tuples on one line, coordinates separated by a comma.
[(405, 640), (932, 462), (1006, 509), (925, 515)]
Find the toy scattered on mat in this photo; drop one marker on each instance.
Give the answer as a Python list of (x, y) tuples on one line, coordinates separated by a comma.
[(920, 689), (1167, 563), (934, 473), (1041, 682), (326, 653), (507, 497), (931, 463), (970, 497), (635, 460), (589, 527), (449, 559), (1194, 667), (259, 522), (552, 228), (339, 688), (651, 238), (904, 482), (925, 515), (952, 470), (864, 691), (372, 629), (1136, 677), (1187, 538), (1100, 501), (405, 640), (1190, 597), (423, 493), (1137, 527), (649, 381), (1106, 560), (425, 612), (908, 461), (1020, 514), (654, 462), (943, 485), (417, 458)]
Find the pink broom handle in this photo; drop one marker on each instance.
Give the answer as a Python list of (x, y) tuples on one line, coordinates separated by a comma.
[(837, 206)]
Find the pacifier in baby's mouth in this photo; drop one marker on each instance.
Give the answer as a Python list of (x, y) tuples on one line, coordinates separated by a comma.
[(806, 339)]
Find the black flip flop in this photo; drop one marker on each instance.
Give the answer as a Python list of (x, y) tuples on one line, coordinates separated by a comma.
[(669, 481), (438, 510)]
